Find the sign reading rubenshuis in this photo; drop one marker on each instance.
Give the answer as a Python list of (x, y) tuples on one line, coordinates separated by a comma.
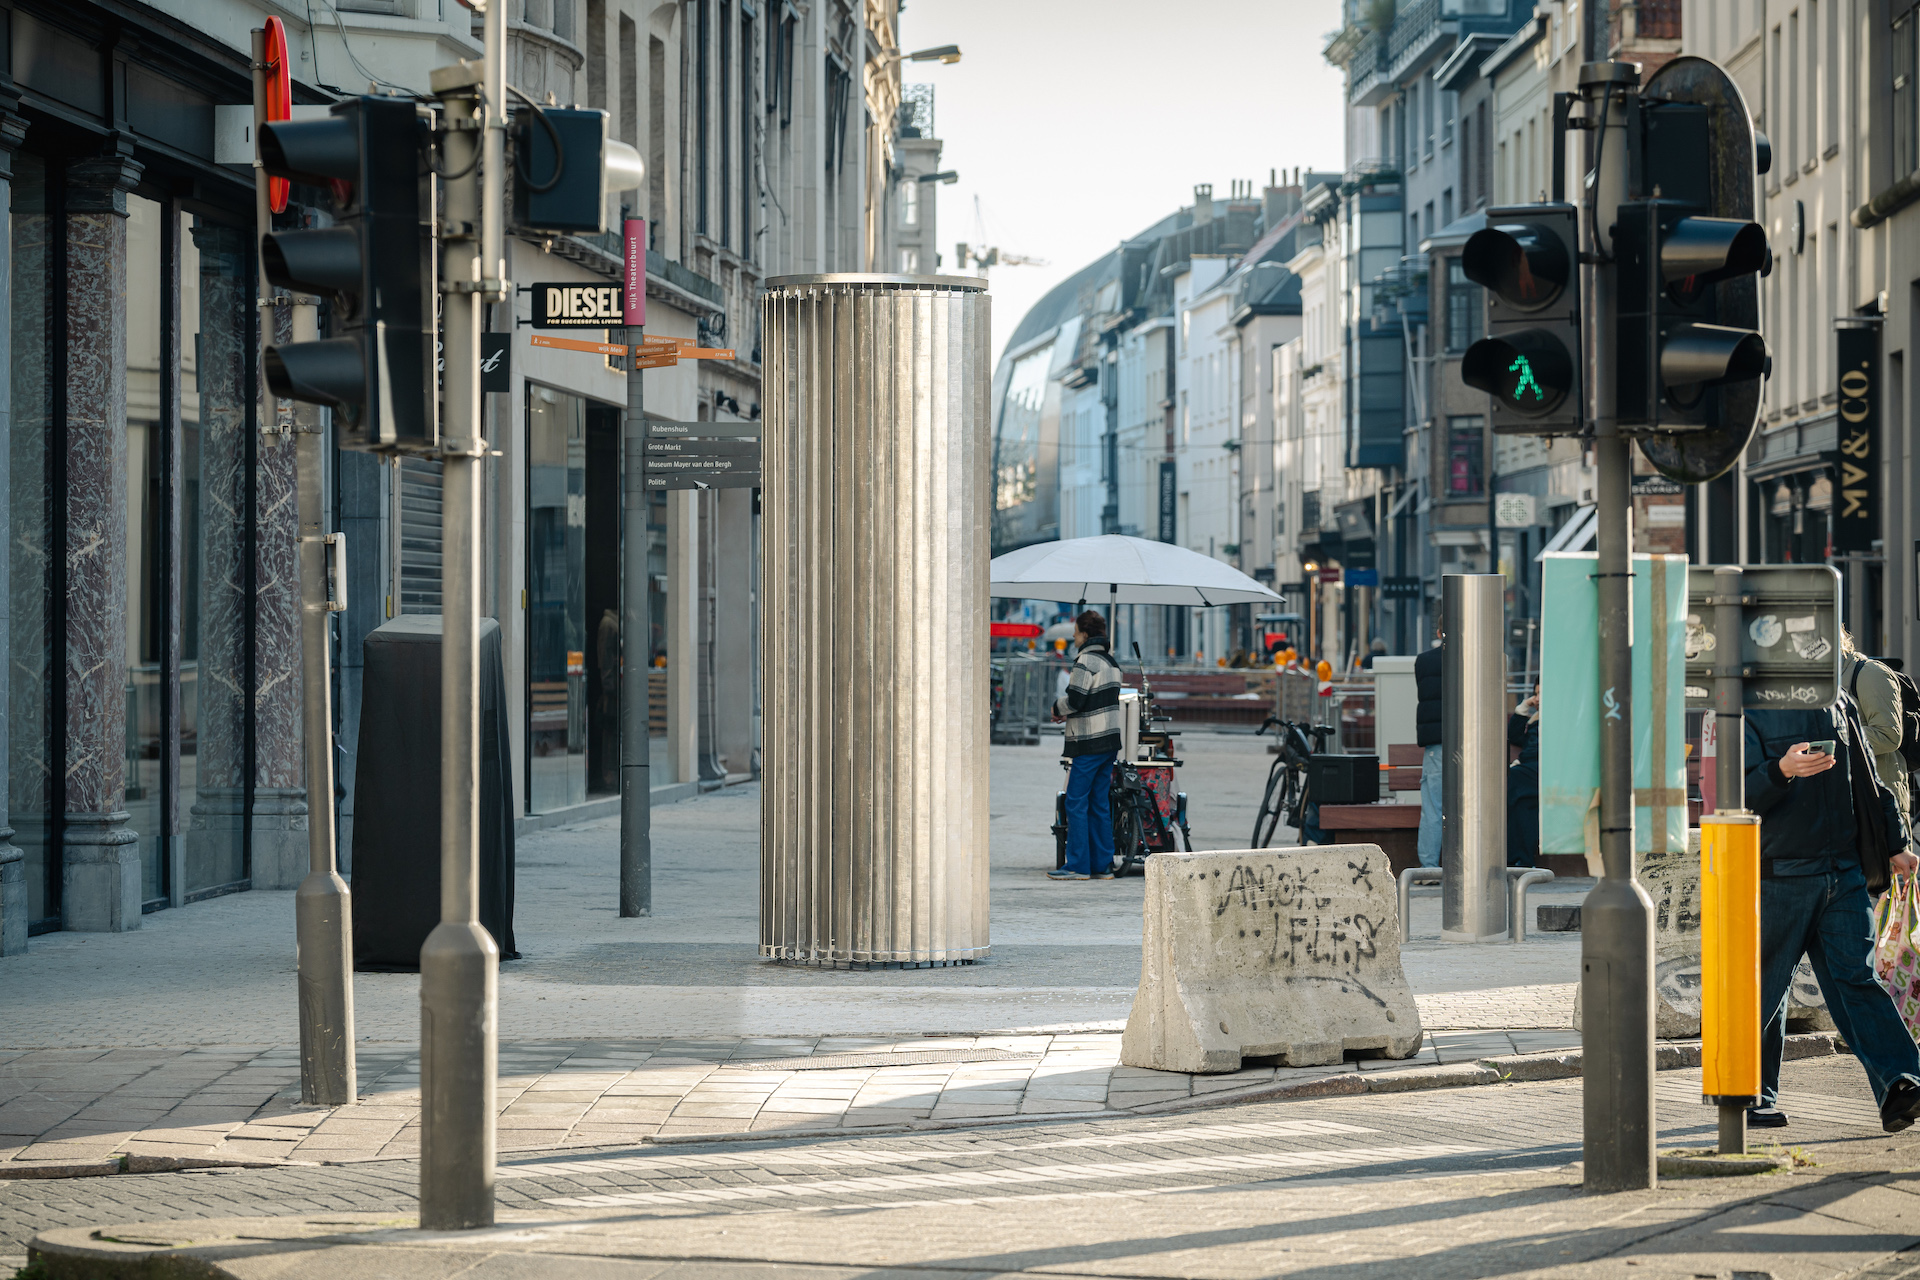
[(578, 306), (1856, 507)]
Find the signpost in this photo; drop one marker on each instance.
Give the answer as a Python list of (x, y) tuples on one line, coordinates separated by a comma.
[(1788, 637)]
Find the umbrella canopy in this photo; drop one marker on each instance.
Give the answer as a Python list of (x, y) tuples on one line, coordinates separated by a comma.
[(1120, 570)]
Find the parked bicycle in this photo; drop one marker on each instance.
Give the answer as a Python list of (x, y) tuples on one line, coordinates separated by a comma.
[(1287, 792)]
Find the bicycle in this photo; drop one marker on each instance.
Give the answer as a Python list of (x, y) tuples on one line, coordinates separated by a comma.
[(1286, 793)]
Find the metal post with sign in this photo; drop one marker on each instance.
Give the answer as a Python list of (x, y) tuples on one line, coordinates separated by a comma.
[(636, 743), (1757, 636)]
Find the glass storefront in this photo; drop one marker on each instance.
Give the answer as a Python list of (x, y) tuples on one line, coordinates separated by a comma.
[(1796, 518), (556, 599)]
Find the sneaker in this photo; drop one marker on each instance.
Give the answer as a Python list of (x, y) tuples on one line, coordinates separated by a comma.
[(1902, 1105), (1102, 875), (1061, 873), (1766, 1118)]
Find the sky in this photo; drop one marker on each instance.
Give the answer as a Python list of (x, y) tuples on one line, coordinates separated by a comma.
[(1078, 123)]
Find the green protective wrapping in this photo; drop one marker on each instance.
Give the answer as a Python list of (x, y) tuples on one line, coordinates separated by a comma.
[(1570, 705)]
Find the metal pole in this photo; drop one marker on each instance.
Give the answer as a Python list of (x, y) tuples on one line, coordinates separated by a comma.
[(636, 629), (1616, 939), (460, 964), (323, 907), (1473, 856), (1729, 764)]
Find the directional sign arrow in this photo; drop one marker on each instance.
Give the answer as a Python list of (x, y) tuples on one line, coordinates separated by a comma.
[(703, 480)]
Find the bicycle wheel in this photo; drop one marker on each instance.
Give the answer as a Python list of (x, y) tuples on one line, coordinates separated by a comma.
[(1270, 808), (1129, 843)]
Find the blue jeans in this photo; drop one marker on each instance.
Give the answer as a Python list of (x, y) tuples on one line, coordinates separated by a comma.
[(1430, 807), (1829, 918), (1090, 815)]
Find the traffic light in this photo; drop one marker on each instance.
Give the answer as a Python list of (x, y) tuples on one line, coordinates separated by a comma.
[(1528, 259), (379, 374), (565, 166), (1688, 258)]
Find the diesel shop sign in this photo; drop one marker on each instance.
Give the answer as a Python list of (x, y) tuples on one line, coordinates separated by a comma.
[(577, 306)]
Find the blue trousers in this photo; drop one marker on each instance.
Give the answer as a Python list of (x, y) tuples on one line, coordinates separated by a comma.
[(1430, 793), (1830, 920), (1090, 814)]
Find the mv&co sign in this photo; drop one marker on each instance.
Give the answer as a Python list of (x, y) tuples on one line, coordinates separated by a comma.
[(1856, 509)]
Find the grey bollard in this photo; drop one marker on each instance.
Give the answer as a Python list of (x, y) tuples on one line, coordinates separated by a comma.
[(1473, 849)]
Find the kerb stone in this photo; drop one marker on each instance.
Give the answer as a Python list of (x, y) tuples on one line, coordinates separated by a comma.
[(1291, 954)]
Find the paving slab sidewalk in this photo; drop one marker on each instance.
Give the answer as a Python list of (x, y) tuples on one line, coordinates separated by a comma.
[(77, 1113)]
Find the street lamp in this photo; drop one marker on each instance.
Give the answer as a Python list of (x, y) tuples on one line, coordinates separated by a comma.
[(947, 176), (947, 53)]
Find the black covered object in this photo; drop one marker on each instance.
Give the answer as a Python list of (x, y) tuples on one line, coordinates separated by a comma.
[(1343, 779), (1429, 686), (396, 797)]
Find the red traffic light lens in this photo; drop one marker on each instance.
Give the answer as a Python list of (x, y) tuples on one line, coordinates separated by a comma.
[(1525, 264)]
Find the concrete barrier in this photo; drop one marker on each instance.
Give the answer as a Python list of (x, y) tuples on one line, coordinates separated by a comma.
[(1672, 880), (1291, 954)]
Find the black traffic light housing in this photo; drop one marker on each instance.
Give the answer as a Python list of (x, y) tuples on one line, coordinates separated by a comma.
[(1527, 258), (560, 188), (379, 373), (1688, 257)]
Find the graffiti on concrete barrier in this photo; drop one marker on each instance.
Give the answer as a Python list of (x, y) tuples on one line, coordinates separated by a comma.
[(1297, 924)]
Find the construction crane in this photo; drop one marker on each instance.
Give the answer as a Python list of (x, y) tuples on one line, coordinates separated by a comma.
[(981, 256)]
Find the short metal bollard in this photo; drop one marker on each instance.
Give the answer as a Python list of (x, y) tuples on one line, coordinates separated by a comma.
[(1409, 878), (1519, 879)]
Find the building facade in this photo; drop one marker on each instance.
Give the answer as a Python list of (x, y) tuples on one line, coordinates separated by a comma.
[(153, 708)]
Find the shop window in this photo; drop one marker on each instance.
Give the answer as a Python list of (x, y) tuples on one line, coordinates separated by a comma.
[(556, 600)]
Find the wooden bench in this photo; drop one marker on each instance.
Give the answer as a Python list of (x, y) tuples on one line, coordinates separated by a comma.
[(1205, 698), (1394, 827)]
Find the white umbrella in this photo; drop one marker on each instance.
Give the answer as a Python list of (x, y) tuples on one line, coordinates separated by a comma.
[(1123, 570)]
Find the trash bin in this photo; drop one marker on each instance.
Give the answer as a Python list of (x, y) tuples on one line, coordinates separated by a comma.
[(396, 796)]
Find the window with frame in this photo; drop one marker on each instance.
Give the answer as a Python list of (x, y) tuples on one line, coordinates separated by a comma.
[(1466, 446), (1905, 131), (1466, 308)]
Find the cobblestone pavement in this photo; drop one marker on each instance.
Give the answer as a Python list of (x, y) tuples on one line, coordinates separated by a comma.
[(1464, 1183), (80, 1112), (175, 1043)]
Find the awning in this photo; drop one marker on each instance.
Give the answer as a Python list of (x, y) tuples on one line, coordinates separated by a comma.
[(1576, 534)]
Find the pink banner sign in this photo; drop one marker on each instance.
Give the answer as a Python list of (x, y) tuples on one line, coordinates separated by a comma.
[(636, 300)]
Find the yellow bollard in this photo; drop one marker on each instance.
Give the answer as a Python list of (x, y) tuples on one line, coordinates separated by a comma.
[(1730, 970)]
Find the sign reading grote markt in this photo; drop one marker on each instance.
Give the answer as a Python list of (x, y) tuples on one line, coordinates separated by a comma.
[(1856, 507)]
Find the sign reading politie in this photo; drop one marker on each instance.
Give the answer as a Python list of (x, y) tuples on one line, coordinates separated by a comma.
[(578, 306)]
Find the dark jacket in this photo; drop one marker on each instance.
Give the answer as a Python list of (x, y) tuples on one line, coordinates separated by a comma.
[(1807, 824), (1426, 680), (1523, 792)]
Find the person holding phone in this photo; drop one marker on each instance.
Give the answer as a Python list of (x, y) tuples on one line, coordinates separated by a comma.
[(1814, 896)]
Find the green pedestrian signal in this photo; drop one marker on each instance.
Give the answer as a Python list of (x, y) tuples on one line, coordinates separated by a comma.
[(1527, 259), (1525, 370)]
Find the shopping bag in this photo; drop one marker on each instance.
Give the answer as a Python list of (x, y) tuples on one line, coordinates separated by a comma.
[(1896, 955)]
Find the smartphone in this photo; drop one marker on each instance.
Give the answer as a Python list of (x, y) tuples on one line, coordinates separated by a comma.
[(1824, 748)]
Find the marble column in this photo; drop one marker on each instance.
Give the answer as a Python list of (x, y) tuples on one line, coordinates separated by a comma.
[(13, 880), (100, 853), (217, 834)]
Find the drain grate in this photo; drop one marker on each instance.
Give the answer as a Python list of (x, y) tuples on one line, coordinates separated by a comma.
[(908, 1058)]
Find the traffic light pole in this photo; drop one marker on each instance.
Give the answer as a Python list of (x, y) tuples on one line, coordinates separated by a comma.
[(1616, 940), (459, 964), (323, 906), (636, 740)]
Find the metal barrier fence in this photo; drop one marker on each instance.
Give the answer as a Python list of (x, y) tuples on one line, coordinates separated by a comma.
[(1024, 687)]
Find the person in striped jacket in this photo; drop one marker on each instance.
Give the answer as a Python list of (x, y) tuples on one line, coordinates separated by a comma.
[(1090, 709)]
